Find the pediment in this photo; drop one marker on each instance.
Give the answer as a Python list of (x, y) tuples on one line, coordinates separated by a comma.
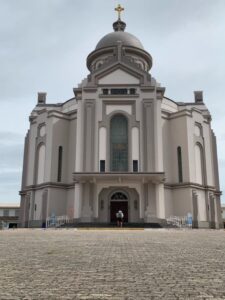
[(118, 76)]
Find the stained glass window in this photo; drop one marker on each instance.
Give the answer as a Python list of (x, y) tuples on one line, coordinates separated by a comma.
[(119, 143)]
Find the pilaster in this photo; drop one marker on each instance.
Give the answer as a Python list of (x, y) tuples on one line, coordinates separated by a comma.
[(160, 201), (148, 135)]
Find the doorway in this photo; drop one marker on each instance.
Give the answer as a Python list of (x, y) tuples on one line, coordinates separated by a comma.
[(115, 207), (118, 202)]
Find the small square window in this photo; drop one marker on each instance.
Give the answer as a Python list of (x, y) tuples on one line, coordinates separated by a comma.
[(105, 91), (5, 212), (132, 91)]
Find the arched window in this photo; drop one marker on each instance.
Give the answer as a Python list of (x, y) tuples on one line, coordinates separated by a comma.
[(41, 164), (119, 196), (179, 161), (119, 143), (60, 153), (198, 164)]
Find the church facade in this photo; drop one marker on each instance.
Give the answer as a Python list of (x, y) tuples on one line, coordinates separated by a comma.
[(120, 143)]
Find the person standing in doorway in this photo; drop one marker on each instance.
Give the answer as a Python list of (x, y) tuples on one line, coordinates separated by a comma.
[(119, 217)]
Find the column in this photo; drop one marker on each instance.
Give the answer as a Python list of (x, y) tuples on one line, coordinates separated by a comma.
[(87, 202), (160, 201), (77, 201)]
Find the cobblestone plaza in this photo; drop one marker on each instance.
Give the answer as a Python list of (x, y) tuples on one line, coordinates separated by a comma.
[(112, 264)]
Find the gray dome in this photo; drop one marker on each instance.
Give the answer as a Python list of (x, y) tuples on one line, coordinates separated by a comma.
[(126, 38)]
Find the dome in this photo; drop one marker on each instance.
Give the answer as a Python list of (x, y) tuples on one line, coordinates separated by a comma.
[(126, 38)]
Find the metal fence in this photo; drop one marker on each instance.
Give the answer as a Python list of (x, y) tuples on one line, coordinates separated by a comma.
[(180, 222), (57, 221)]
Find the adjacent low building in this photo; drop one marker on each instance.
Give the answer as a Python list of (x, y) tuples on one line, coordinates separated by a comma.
[(9, 215)]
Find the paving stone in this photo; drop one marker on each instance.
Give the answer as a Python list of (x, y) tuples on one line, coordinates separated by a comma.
[(106, 264)]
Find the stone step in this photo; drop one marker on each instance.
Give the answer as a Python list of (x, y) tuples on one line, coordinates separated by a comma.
[(111, 225)]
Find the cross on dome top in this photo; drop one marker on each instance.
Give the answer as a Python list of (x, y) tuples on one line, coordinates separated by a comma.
[(119, 9), (119, 25)]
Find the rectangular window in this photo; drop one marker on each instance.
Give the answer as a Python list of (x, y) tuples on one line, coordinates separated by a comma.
[(102, 165), (118, 91), (60, 153), (105, 91), (179, 160), (5, 212), (135, 165), (132, 91)]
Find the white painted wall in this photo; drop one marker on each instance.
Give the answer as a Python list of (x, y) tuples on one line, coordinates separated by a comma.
[(201, 206), (175, 135), (197, 130), (209, 150), (79, 139), (41, 164), (60, 130), (71, 148), (198, 165), (125, 108), (102, 143), (57, 202), (42, 131), (135, 144), (119, 77), (31, 154), (182, 201), (169, 209)]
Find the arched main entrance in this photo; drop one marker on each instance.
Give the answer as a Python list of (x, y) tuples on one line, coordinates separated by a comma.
[(118, 201)]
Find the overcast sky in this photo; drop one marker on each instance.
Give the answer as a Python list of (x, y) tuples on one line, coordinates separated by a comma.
[(44, 45)]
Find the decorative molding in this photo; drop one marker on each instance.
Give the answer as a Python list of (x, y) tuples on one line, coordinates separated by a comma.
[(45, 185), (148, 161), (191, 185), (147, 89), (123, 96)]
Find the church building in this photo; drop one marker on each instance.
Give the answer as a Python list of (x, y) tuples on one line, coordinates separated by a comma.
[(120, 144)]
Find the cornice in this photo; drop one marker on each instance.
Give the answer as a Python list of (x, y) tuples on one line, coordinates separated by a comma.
[(147, 89), (90, 89), (160, 92), (49, 184), (182, 113), (78, 93), (60, 115), (119, 96), (33, 119), (191, 185)]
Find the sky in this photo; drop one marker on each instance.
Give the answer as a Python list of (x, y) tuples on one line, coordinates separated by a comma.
[(44, 45)]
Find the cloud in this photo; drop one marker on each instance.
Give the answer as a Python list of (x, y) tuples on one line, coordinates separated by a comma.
[(11, 154), (12, 137), (10, 183)]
